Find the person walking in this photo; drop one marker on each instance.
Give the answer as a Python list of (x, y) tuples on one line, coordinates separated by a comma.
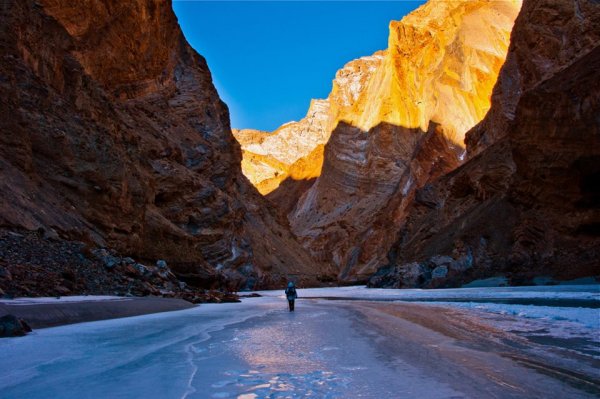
[(291, 294)]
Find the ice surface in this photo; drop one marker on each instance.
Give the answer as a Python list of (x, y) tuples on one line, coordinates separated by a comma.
[(257, 349), (144, 356), (207, 352)]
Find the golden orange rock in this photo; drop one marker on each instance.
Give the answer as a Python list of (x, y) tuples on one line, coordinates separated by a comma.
[(392, 122), (292, 151)]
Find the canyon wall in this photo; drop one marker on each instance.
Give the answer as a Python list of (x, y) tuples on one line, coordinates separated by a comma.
[(393, 122), (113, 134), (527, 202)]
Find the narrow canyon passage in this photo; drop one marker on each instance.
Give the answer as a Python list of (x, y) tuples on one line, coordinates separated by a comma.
[(257, 349)]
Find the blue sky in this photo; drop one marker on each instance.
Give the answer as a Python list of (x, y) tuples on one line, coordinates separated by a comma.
[(269, 58)]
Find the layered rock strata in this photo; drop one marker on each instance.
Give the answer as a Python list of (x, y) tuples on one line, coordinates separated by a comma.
[(527, 203), (401, 126), (113, 134)]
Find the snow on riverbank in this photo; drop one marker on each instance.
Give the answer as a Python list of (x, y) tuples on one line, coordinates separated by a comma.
[(576, 329)]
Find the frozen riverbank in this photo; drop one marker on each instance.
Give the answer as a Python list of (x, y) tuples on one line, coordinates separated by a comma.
[(326, 349)]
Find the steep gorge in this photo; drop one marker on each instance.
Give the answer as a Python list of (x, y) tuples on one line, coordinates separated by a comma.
[(393, 122), (113, 134)]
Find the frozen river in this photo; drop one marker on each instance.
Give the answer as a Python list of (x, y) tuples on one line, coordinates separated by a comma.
[(492, 342)]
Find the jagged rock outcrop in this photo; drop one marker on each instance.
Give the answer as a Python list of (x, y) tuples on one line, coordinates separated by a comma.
[(113, 134), (527, 203), (401, 126)]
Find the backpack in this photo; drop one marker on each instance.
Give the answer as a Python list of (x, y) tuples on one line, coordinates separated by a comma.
[(291, 292)]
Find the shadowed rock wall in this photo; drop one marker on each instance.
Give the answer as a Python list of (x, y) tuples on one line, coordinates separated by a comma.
[(113, 133)]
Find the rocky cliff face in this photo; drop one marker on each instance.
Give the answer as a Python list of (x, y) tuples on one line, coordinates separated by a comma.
[(393, 122), (527, 203), (113, 134)]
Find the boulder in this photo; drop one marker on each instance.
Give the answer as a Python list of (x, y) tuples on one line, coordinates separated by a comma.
[(161, 264), (142, 269), (130, 270), (108, 260), (410, 275), (462, 264), (430, 273), (11, 326), (62, 290), (439, 272)]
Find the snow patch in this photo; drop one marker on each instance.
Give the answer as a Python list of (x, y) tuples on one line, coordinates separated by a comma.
[(407, 185)]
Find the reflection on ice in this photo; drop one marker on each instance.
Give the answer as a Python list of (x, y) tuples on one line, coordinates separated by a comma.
[(318, 384)]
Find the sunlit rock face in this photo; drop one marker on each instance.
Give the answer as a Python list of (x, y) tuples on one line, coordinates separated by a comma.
[(527, 202), (295, 150), (441, 65), (400, 127), (113, 133), (270, 158)]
